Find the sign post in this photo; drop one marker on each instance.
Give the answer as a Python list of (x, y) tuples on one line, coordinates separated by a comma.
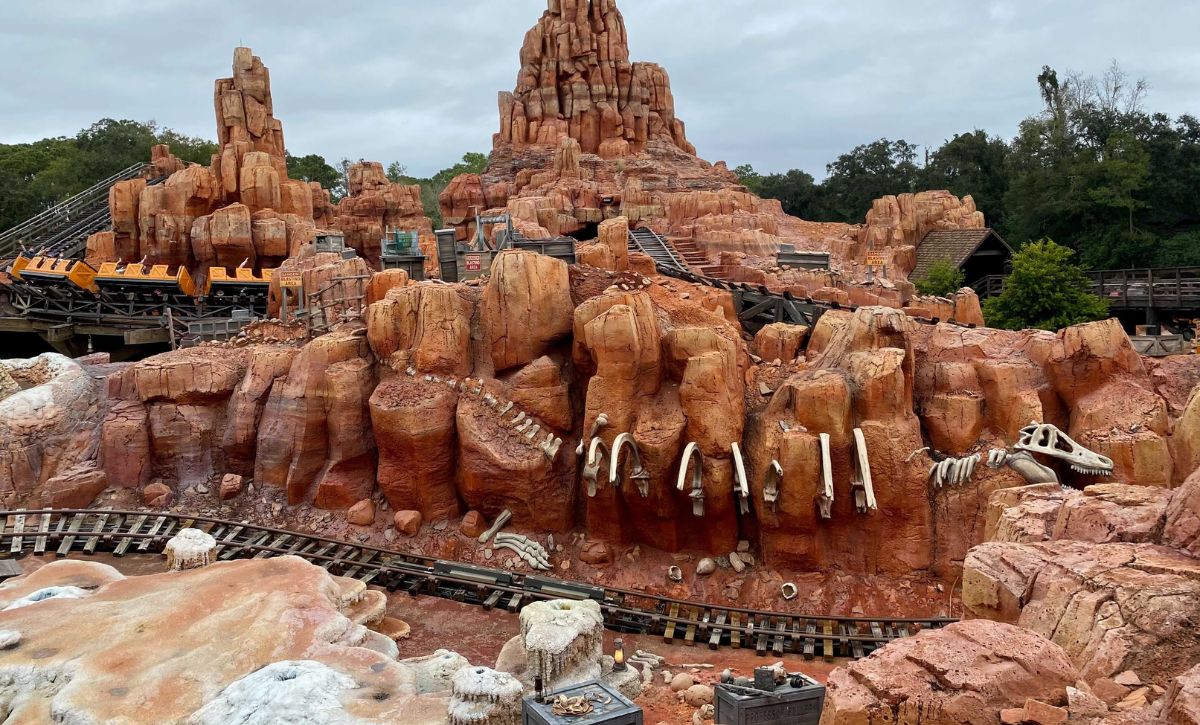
[(290, 282), (874, 260)]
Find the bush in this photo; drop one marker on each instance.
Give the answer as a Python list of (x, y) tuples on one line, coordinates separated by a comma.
[(943, 280), (1044, 291)]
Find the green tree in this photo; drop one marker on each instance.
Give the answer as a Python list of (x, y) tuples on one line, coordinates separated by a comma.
[(971, 163), (1044, 291), (750, 178), (397, 173), (315, 168), (432, 187), (864, 174), (943, 280)]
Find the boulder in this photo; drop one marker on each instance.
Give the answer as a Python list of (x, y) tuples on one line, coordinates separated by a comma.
[(232, 486), (473, 524), (967, 672), (1111, 607), (1182, 703), (526, 307), (75, 488), (362, 513), (158, 495), (408, 522), (1181, 527)]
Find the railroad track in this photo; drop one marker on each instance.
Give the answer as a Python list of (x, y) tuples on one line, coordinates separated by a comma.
[(62, 532)]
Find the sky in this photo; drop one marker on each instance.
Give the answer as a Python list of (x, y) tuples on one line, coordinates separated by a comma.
[(779, 84)]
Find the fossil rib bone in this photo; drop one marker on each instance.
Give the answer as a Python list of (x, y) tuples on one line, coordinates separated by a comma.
[(739, 470), (825, 500), (597, 452), (864, 489), (639, 474), (695, 461), (772, 484)]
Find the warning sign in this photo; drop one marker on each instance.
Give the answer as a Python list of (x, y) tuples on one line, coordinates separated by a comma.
[(473, 262), (876, 259), (291, 280)]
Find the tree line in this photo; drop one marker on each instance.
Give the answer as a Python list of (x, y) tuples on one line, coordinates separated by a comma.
[(1092, 170), (35, 176)]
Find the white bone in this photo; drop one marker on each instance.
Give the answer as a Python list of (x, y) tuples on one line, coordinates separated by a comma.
[(784, 426), (532, 432), (528, 422), (639, 474), (520, 416), (772, 484), (739, 469), (429, 378), (499, 523), (551, 445), (591, 467), (489, 400), (825, 501), (690, 450), (411, 372), (507, 407), (863, 475)]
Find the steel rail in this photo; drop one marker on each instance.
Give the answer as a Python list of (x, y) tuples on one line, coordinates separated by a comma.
[(64, 530)]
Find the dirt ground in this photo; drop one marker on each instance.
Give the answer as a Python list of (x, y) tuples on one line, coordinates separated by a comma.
[(479, 635)]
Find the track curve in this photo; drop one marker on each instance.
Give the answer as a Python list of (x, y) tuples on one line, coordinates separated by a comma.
[(90, 531)]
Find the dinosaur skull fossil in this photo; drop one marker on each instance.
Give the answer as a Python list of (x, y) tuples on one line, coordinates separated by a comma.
[(1048, 440)]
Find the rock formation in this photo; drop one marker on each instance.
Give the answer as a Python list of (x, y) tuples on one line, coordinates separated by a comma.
[(576, 82), (563, 641), (376, 207), (243, 209), (50, 412), (588, 136), (314, 669), (966, 673)]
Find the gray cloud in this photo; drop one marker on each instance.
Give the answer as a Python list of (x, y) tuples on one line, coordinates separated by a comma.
[(776, 83)]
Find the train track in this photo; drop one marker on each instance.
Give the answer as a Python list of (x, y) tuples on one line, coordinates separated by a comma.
[(62, 532)]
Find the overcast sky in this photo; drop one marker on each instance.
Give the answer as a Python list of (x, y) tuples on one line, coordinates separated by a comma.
[(777, 83)]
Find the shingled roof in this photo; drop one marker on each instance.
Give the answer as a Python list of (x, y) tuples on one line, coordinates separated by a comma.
[(951, 245)]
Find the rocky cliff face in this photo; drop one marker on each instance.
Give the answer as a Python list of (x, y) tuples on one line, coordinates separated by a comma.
[(243, 209), (587, 135), (518, 392), (576, 81)]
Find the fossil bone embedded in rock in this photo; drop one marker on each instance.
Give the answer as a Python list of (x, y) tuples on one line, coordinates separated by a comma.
[(1048, 440), (638, 473)]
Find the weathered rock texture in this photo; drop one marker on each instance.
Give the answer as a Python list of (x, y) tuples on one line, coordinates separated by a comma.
[(588, 136), (50, 413), (304, 648), (1105, 573), (965, 673), (563, 641), (376, 207), (243, 209), (576, 82)]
